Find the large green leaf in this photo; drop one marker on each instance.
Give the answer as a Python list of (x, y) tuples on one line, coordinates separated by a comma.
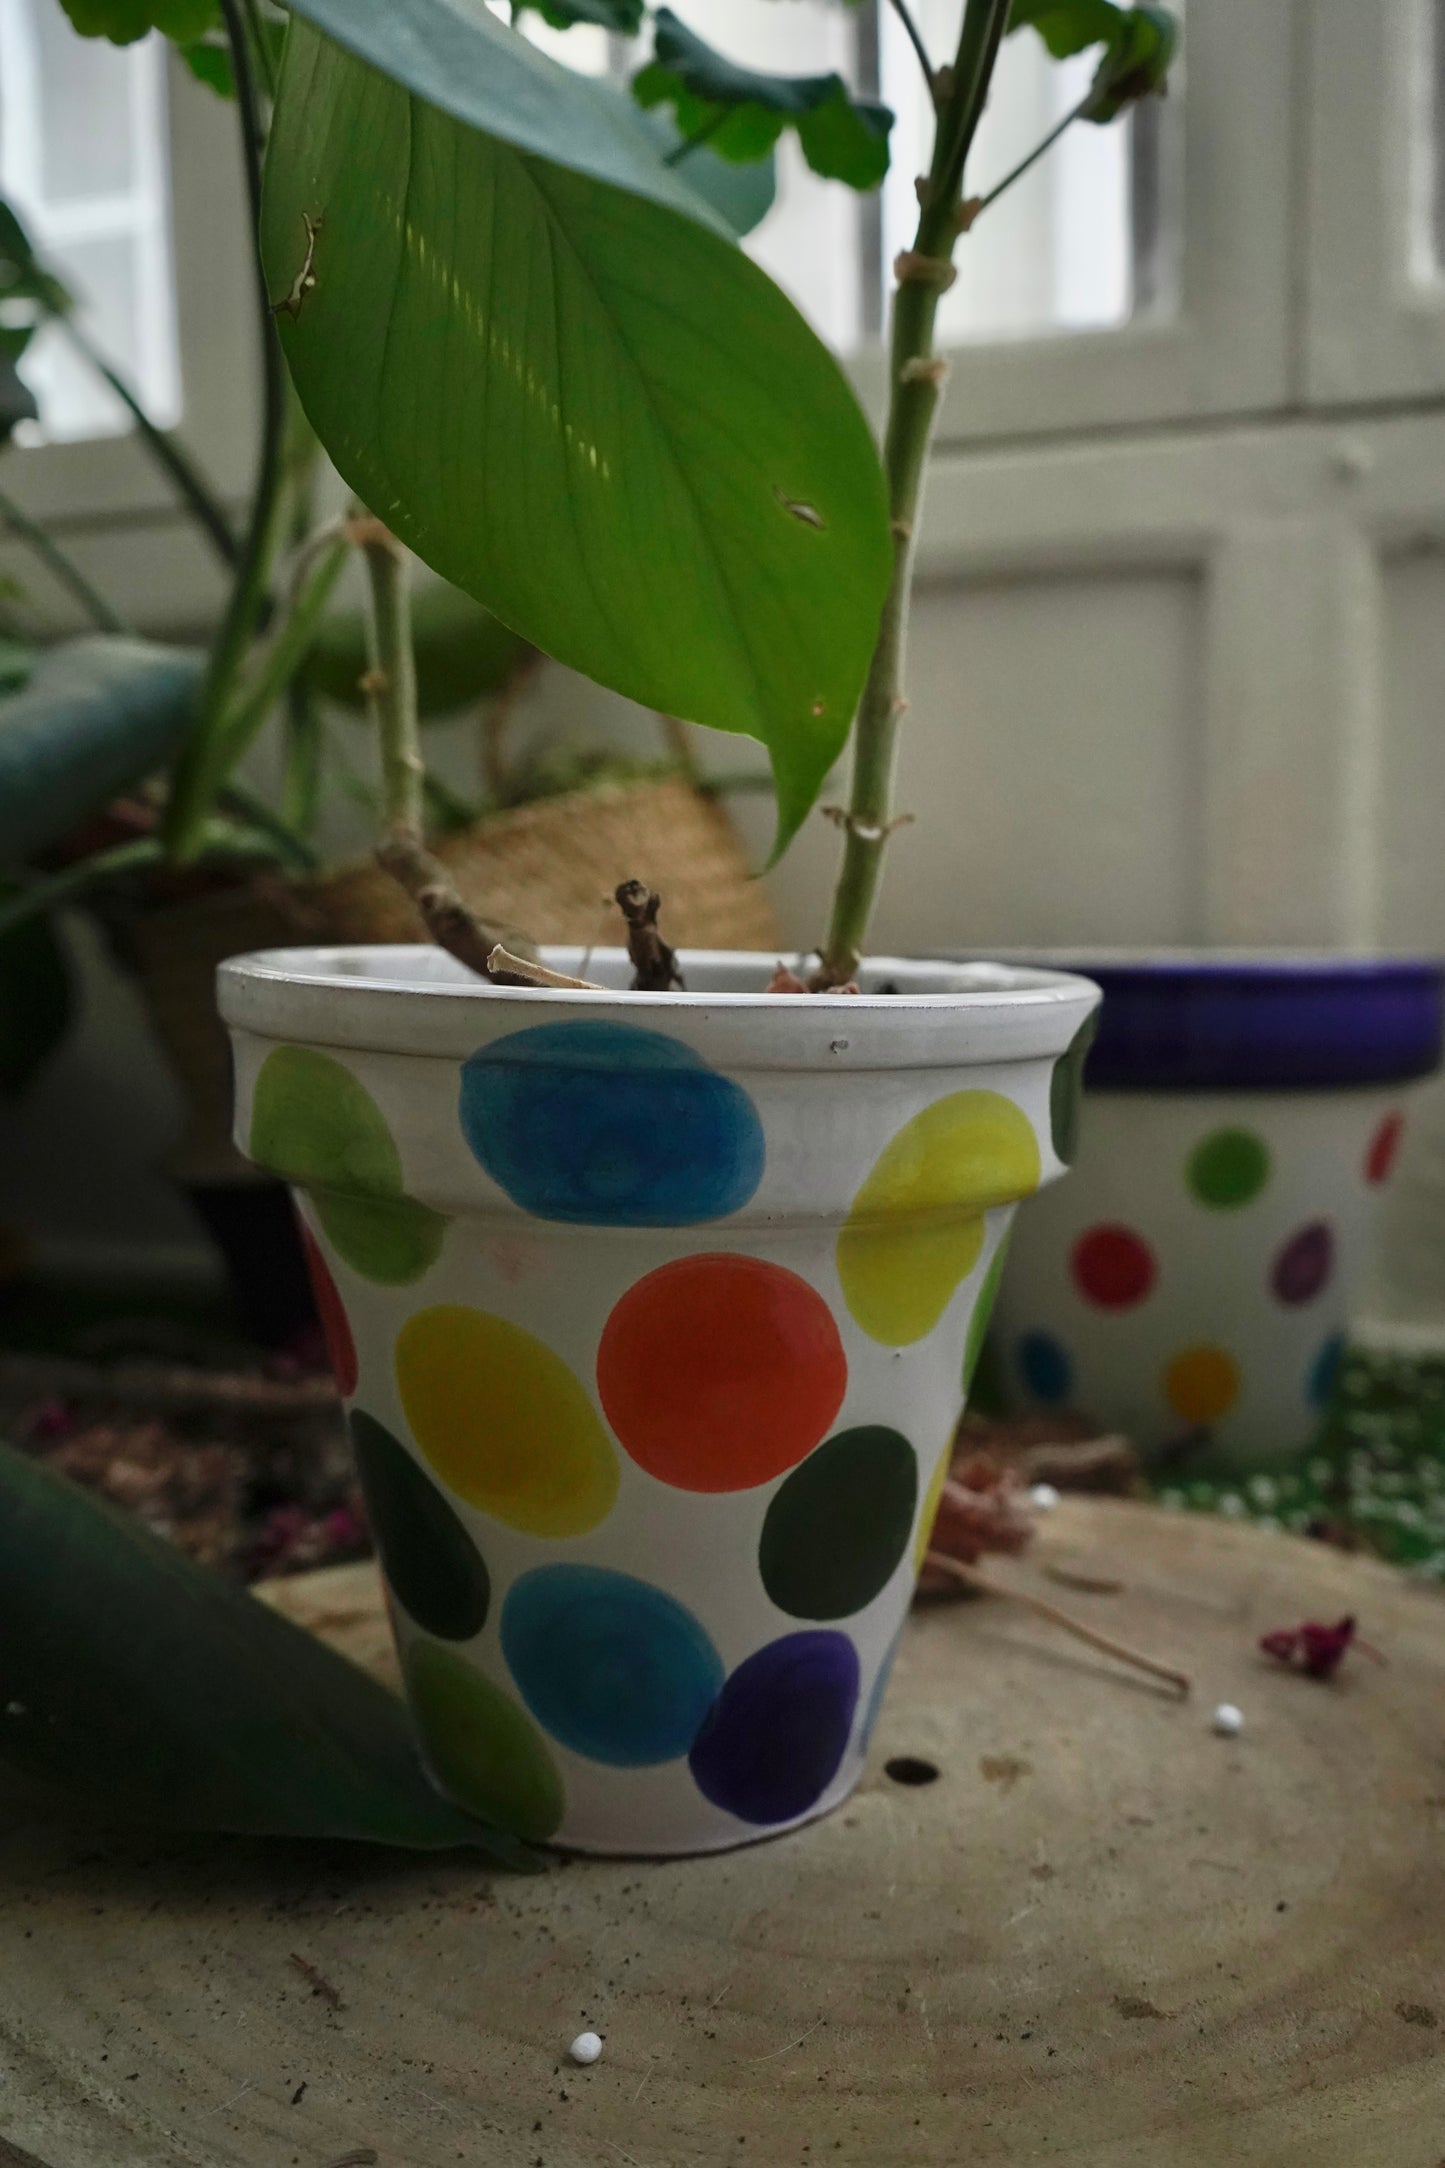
[(622, 16), (740, 112), (123, 21), (35, 999), (138, 1683), (532, 348), (95, 716)]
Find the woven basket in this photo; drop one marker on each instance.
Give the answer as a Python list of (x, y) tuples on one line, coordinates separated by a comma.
[(548, 868)]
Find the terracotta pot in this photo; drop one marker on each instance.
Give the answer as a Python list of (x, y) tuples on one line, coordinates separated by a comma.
[(653, 1315)]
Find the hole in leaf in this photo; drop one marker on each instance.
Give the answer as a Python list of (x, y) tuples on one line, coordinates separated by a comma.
[(807, 513), (911, 1769)]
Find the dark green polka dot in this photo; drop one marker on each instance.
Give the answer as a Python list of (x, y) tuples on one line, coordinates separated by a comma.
[(315, 1124), (1228, 1168), (978, 1324), (840, 1523), (485, 1751), (1066, 1090), (435, 1570)]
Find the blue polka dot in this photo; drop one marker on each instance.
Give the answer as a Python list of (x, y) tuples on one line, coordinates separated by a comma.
[(610, 1666), (1324, 1370), (775, 1737), (1045, 1367), (605, 1125)]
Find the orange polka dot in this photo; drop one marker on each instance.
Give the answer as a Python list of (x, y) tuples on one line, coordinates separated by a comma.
[(1201, 1384), (718, 1372)]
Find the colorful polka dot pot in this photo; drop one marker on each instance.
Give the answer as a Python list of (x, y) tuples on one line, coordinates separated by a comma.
[(1190, 1285), (654, 1318)]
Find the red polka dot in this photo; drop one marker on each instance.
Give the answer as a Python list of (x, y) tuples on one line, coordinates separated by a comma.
[(1380, 1159), (335, 1324), (1113, 1267), (718, 1372)]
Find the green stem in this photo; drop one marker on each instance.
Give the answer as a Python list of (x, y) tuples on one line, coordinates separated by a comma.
[(195, 491), (1076, 113), (98, 610), (915, 380), (287, 651), (393, 687), (704, 135), (260, 44), (101, 613), (915, 39), (73, 880), (199, 768)]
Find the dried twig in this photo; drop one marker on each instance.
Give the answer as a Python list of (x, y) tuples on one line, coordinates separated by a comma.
[(980, 1583), (654, 963), (317, 1980), (449, 921), (504, 966)]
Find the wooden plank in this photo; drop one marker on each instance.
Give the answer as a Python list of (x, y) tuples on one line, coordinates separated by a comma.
[(1102, 1937)]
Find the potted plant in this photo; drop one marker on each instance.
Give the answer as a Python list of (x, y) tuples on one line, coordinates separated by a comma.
[(652, 1307), (1242, 1116)]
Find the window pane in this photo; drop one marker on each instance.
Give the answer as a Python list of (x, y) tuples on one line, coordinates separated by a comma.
[(1087, 238), (83, 158)]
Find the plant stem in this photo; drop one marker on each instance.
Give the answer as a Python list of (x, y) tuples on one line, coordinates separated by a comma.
[(915, 38), (402, 851), (967, 1577), (101, 613), (916, 381), (59, 888), (199, 769), (195, 491), (1075, 113), (705, 134), (261, 59)]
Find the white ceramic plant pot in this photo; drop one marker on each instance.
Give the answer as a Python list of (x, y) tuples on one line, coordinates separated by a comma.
[(651, 1314), (1193, 1282)]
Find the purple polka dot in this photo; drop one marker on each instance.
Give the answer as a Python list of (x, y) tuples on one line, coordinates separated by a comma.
[(773, 1740), (1304, 1264)]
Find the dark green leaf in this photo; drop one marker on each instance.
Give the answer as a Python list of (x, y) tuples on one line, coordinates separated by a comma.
[(743, 194), (740, 113), (136, 1681), (463, 653), (22, 276), (96, 716), (209, 60), (589, 411), (123, 21), (35, 1000), (1067, 26), (1136, 65), (17, 400), (623, 16)]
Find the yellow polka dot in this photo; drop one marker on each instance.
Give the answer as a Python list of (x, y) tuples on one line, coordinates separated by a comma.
[(504, 1422), (1201, 1384), (916, 1227), (928, 1513)]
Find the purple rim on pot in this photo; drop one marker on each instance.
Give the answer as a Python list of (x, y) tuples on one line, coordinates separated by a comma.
[(1258, 1022)]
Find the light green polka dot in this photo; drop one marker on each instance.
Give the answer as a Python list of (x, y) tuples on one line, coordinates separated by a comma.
[(1228, 1168), (484, 1750), (315, 1124)]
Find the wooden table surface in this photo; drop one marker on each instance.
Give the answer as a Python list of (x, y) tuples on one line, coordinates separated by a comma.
[(1102, 1937)]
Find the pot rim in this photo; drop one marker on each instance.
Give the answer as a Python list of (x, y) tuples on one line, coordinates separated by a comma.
[(1259, 1019), (415, 999)]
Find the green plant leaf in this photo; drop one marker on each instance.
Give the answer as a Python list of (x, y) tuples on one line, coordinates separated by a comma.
[(123, 21), (463, 653), (135, 1681), (95, 716), (622, 16), (35, 1000), (740, 113), (1139, 46), (17, 400), (743, 195), (532, 349), (1067, 26), (23, 277), (1136, 65)]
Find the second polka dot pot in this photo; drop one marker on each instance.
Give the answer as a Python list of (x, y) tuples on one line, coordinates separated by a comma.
[(654, 1316), (1192, 1284)]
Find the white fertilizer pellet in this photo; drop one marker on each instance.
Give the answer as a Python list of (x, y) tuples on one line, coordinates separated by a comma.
[(1043, 1497), (585, 2048), (1228, 1721)]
